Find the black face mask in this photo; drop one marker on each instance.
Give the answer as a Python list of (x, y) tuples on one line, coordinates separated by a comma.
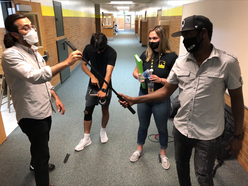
[(154, 45), (191, 44)]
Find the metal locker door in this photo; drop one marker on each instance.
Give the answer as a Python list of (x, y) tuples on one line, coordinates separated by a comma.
[(63, 55)]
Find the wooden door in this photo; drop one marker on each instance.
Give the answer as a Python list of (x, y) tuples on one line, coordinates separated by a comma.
[(159, 13), (2, 130)]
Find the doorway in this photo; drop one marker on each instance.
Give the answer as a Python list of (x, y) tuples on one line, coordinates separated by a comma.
[(127, 22)]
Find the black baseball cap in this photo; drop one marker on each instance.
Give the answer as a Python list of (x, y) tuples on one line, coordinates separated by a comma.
[(195, 22)]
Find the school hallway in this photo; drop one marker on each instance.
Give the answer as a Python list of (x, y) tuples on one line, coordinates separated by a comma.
[(103, 164)]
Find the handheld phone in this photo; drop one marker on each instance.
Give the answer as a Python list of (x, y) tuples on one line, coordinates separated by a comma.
[(93, 92)]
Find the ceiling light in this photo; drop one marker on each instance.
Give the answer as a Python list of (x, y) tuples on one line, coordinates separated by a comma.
[(122, 7), (121, 2)]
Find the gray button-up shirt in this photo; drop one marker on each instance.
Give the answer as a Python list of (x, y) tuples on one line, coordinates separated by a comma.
[(28, 78), (201, 93)]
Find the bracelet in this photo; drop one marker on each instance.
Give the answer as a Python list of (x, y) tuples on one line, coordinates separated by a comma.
[(161, 80)]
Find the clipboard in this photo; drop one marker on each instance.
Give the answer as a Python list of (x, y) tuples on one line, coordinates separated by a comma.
[(139, 67)]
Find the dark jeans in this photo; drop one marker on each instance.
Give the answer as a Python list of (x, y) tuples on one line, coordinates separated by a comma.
[(38, 135), (204, 158), (160, 111)]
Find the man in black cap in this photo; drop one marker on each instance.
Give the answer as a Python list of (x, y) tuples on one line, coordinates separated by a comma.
[(202, 75)]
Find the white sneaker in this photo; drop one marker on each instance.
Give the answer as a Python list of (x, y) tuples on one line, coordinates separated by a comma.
[(136, 155), (83, 143), (165, 162), (103, 137)]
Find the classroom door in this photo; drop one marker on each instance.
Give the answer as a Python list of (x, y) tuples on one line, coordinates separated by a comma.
[(62, 50), (127, 22)]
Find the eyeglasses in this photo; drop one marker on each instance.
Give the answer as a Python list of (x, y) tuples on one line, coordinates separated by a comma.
[(28, 27)]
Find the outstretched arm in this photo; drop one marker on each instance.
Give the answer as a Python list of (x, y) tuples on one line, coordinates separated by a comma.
[(163, 93), (73, 57)]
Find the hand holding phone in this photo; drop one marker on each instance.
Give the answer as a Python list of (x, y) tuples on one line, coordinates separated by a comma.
[(93, 92)]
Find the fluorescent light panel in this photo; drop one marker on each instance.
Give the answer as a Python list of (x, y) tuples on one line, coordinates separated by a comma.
[(121, 2), (122, 7)]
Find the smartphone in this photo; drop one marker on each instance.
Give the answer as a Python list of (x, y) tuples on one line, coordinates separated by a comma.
[(93, 92)]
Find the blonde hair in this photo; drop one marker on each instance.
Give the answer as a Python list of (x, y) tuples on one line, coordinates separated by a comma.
[(163, 47)]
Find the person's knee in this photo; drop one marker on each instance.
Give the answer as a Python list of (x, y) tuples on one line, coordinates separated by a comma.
[(88, 113)]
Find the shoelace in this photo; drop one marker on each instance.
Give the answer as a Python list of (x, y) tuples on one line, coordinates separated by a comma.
[(164, 159), (136, 153)]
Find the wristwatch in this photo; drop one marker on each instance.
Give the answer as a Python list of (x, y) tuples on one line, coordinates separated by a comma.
[(239, 137), (104, 90)]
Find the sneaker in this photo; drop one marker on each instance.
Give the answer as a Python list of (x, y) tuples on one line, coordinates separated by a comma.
[(51, 167), (165, 162), (83, 143), (103, 137), (136, 155)]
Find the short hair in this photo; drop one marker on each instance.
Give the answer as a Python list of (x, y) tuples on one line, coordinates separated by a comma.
[(10, 26), (98, 41), (164, 46)]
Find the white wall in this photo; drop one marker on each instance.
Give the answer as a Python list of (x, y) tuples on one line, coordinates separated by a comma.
[(230, 29), (1, 17), (42, 2)]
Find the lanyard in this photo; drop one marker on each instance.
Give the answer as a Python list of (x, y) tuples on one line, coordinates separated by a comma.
[(158, 60)]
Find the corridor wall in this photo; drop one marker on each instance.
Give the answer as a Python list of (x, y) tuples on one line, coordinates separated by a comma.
[(79, 19), (173, 16)]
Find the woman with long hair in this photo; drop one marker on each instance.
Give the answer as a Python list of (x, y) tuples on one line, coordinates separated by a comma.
[(157, 60)]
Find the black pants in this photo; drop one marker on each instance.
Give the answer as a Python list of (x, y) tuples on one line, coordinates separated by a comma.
[(38, 135), (204, 158)]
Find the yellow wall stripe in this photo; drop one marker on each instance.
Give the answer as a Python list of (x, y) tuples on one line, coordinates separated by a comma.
[(74, 13), (173, 11), (49, 11), (152, 14)]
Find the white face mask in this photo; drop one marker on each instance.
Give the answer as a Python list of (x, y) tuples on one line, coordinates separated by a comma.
[(31, 37)]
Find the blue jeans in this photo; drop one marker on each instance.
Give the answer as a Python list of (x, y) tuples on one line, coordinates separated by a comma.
[(204, 158), (160, 111)]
